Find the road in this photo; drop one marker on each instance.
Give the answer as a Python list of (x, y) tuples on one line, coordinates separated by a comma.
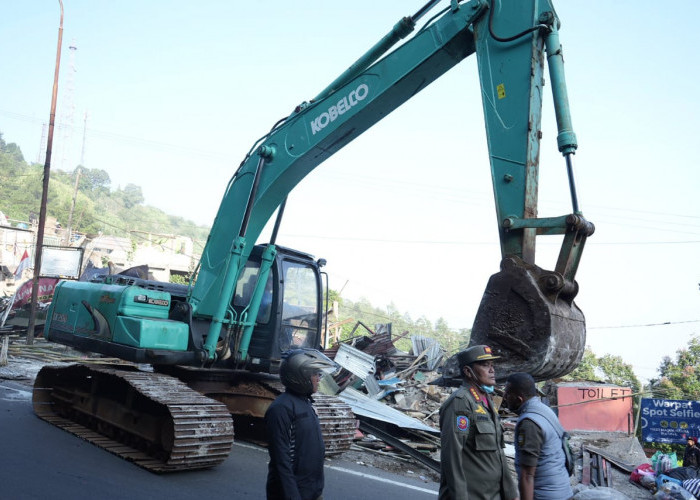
[(39, 461)]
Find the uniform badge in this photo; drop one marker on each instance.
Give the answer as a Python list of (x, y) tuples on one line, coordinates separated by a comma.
[(480, 409), (475, 394), (462, 423)]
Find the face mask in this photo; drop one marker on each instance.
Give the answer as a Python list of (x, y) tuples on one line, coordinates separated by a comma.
[(488, 389)]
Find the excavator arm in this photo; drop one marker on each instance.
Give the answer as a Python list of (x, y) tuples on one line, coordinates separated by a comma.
[(527, 314)]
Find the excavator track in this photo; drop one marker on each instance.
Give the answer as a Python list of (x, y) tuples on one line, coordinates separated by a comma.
[(338, 423), (151, 419), (248, 395)]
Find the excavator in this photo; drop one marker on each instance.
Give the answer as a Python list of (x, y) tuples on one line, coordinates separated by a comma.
[(197, 354)]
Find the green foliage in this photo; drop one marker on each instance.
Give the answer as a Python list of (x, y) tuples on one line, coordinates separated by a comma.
[(450, 340), (608, 368), (586, 370), (97, 207), (180, 279), (130, 196), (680, 379)]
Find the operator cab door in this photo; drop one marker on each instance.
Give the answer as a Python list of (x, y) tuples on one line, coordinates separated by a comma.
[(301, 305), (290, 310)]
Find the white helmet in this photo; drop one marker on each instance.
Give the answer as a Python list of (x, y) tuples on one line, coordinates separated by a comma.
[(298, 365)]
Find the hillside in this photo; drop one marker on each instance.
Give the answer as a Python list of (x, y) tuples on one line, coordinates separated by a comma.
[(99, 206)]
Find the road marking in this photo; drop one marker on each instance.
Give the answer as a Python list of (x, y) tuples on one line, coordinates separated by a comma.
[(349, 471), (381, 479)]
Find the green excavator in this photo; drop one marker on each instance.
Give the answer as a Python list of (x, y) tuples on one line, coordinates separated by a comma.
[(201, 353)]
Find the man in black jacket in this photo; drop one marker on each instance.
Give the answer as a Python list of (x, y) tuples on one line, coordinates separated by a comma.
[(295, 443)]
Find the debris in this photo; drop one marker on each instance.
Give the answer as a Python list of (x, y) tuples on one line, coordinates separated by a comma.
[(397, 443), (3, 350), (431, 347), (619, 463), (364, 406), (359, 364)]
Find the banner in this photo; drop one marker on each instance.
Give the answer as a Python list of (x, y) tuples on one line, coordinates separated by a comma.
[(669, 421), (23, 295)]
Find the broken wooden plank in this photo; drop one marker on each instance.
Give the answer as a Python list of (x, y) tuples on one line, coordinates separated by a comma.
[(586, 472), (400, 445), (619, 463)]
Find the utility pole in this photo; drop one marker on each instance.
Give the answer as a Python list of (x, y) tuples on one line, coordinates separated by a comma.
[(45, 189)]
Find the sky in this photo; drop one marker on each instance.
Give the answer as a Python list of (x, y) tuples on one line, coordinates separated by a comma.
[(171, 95)]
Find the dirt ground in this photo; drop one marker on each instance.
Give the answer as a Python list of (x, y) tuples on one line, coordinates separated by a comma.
[(24, 362)]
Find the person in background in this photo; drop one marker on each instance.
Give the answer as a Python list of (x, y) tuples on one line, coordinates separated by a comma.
[(540, 462), (296, 447), (473, 465), (691, 456)]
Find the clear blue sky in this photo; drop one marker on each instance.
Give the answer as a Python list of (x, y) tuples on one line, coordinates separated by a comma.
[(177, 92)]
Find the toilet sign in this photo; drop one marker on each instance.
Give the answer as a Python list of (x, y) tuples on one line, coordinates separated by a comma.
[(669, 421)]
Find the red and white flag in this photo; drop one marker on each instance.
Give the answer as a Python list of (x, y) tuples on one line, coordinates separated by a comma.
[(23, 264)]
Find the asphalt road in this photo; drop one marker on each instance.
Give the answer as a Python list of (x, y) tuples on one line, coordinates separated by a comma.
[(39, 461)]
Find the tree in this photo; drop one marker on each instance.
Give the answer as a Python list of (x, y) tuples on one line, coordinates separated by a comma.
[(450, 340), (680, 379), (618, 372), (93, 181), (586, 370), (131, 195), (608, 368), (11, 149)]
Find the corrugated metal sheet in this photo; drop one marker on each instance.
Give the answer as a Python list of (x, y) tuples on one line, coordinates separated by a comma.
[(434, 353), (355, 361), (363, 405), (360, 364)]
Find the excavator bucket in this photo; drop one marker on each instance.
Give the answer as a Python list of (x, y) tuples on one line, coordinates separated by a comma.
[(528, 317)]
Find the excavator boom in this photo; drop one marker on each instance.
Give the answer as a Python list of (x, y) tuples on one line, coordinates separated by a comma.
[(512, 39)]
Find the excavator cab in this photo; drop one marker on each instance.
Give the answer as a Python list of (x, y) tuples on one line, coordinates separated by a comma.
[(290, 313)]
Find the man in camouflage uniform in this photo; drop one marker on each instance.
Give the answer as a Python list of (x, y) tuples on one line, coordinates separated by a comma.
[(473, 465)]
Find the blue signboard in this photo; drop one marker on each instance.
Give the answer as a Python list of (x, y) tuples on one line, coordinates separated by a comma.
[(669, 420)]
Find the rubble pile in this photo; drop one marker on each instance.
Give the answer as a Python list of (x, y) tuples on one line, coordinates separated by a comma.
[(391, 394)]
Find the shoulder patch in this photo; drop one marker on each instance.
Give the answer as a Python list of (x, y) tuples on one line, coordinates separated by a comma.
[(462, 423)]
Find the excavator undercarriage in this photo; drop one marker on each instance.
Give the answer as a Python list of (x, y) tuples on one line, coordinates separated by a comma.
[(165, 424), (153, 420)]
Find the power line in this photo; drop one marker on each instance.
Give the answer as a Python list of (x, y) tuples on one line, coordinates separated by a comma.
[(129, 139), (686, 242), (665, 323), (495, 242)]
